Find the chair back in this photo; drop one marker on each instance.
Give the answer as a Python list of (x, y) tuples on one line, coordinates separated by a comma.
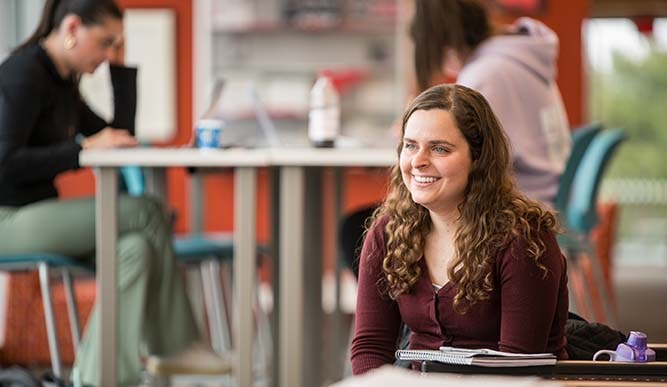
[(581, 210), (581, 139), (133, 178)]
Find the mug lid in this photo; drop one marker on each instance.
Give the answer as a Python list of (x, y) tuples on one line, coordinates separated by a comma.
[(210, 123)]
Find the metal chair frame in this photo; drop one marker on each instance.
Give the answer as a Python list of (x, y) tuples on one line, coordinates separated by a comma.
[(43, 263)]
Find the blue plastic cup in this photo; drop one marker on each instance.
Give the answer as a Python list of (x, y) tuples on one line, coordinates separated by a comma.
[(207, 133)]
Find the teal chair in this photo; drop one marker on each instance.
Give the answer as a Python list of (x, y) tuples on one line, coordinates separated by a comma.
[(581, 139), (44, 263), (209, 251), (581, 212)]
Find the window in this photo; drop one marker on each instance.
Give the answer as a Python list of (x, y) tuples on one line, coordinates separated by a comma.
[(627, 75)]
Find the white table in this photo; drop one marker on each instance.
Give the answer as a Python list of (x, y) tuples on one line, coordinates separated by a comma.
[(299, 240)]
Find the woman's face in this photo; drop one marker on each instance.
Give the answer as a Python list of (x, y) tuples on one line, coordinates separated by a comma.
[(435, 160), (95, 44)]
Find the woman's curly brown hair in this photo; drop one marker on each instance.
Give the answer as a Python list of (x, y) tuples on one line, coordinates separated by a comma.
[(492, 213)]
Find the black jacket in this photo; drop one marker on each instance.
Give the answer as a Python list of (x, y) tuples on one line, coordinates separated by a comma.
[(40, 116), (584, 338)]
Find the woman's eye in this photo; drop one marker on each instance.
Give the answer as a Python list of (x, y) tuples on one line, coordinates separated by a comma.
[(409, 146), (106, 43), (439, 149)]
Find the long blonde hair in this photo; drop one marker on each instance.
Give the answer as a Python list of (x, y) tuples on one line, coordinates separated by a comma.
[(492, 213)]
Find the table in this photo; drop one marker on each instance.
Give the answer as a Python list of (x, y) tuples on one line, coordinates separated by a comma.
[(568, 370), (299, 237)]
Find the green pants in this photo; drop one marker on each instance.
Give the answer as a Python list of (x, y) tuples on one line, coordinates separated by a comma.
[(153, 307)]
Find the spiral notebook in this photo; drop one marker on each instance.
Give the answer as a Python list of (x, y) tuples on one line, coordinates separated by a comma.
[(478, 357)]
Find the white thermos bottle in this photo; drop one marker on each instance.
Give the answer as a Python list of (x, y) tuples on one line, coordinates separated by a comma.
[(324, 118)]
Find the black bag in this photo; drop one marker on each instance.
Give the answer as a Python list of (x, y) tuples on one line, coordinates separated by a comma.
[(584, 338)]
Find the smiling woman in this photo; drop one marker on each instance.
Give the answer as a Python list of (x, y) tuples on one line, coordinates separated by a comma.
[(455, 252)]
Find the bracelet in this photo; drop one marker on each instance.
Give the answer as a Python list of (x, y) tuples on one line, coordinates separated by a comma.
[(79, 138)]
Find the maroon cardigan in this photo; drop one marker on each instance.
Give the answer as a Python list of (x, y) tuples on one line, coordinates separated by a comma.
[(525, 313)]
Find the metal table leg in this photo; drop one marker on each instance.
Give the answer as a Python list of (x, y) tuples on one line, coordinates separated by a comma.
[(106, 221), (245, 247), (300, 277)]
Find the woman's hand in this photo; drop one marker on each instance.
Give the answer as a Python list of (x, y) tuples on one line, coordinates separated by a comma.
[(109, 138)]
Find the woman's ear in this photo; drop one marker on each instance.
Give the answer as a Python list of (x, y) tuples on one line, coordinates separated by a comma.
[(70, 25)]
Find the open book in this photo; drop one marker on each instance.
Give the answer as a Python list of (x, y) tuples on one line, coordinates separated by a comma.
[(478, 357)]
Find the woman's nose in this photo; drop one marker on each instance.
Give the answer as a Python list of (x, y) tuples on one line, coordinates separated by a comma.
[(420, 159), (109, 54)]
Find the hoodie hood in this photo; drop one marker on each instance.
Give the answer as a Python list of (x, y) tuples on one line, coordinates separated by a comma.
[(528, 42)]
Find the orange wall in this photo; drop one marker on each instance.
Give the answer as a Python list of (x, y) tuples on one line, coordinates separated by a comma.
[(565, 17), (362, 187)]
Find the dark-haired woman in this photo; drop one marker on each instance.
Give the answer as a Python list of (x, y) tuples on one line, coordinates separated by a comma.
[(455, 252), (44, 125)]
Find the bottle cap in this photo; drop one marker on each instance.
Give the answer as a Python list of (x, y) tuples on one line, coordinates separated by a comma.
[(323, 93), (637, 339), (210, 123)]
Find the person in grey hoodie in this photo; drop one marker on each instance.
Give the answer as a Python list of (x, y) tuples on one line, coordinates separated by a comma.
[(514, 68)]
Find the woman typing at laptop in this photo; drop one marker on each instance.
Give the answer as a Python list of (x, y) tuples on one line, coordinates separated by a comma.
[(44, 125)]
